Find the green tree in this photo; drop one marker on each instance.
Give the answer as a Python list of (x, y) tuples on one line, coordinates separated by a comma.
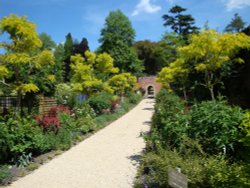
[(153, 54), (68, 51), (117, 38), (59, 62), (47, 42), (210, 53), (21, 59), (236, 25), (81, 48), (182, 24)]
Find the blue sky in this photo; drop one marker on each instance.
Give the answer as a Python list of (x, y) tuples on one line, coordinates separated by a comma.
[(85, 18)]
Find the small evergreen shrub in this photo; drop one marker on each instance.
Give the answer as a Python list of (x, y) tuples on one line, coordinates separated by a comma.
[(101, 102)]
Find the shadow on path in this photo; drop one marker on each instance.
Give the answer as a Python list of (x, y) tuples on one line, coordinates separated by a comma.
[(149, 109)]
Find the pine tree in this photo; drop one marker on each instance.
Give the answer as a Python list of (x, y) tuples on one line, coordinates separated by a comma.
[(236, 25), (68, 51), (182, 24)]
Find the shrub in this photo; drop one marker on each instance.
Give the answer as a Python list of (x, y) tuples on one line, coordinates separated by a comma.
[(101, 102), (213, 171), (84, 110), (245, 129), (49, 120), (64, 94), (18, 136), (133, 97), (216, 125), (4, 174), (169, 123)]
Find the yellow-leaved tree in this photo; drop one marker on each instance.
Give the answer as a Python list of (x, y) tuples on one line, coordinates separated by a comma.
[(207, 53), (91, 73), (96, 73), (174, 73), (122, 82), (20, 57)]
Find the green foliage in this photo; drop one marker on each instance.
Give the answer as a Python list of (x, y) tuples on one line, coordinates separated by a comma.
[(100, 102), (203, 141), (21, 32), (117, 38), (174, 73), (4, 173), (209, 54), (47, 42), (18, 136), (169, 123), (245, 129), (91, 73), (133, 98), (182, 24), (236, 24), (122, 83), (24, 66), (23, 160), (212, 54), (215, 124), (117, 28), (213, 171), (68, 50), (59, 62), (65, 95), (155, 55)]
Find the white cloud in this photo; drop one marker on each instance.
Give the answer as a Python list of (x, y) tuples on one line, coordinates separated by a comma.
[(145, 6), (237, 4)]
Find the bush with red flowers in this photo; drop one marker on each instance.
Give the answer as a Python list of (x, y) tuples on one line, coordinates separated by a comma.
[(49, 120)]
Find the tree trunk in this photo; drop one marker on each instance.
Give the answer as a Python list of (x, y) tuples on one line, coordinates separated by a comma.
[(211, 89), (185, 93)]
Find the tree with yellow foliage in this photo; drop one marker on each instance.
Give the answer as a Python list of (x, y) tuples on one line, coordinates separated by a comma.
[(97, 73), (208, 53), (122, 82), (174, 73), (91, 73), (20, 57)]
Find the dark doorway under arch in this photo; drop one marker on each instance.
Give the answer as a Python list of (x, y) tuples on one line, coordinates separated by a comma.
[(150, 92)]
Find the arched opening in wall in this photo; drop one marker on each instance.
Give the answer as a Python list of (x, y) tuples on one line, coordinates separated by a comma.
[(150, 92)]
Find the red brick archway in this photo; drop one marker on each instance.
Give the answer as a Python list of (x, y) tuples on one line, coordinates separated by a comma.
[(149, 85)]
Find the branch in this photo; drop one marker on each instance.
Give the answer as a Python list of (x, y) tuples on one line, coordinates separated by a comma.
[(3, 82)]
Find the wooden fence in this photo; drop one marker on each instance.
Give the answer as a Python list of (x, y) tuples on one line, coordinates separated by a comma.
[(45, 103), (8, 104)]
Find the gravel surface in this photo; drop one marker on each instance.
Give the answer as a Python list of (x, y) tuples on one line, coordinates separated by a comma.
[(108, 159)]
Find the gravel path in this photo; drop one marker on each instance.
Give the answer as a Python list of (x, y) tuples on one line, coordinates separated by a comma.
[(108, 159)]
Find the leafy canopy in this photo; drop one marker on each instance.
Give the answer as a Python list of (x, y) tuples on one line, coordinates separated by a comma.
[(91, 73), (182, 24), (22, 56), (207, 53), (122, 82), (236, 24), (117, 38)]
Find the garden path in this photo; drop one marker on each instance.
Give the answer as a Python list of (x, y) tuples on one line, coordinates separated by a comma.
[(108, 159)]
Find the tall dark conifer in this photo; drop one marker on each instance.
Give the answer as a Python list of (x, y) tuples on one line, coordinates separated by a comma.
[(68, 50), (182, 24), (236, 25), (81, 48)]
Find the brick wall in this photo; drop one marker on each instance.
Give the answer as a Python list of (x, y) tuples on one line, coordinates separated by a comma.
[(146, 82)]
